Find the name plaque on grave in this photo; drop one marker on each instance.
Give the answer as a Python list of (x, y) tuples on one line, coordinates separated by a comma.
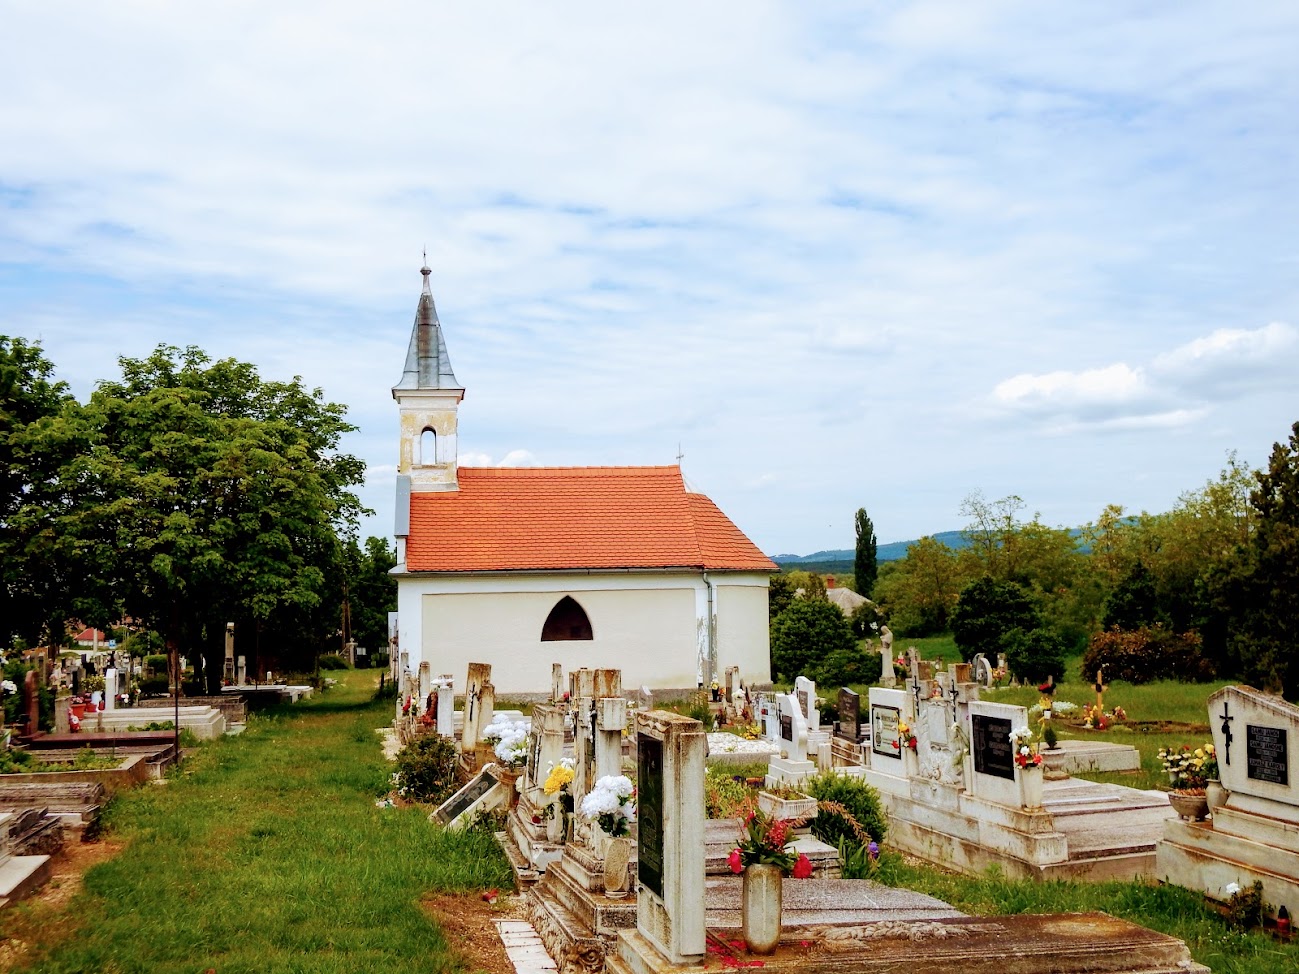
[(1266, 754), (460, 802), (885, 738), (849, 715), (787, 728), (990, 741), (649, 812), (802, 702)]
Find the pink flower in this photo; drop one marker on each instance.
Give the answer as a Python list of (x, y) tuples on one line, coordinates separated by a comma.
[(733, 860), (802, 867)]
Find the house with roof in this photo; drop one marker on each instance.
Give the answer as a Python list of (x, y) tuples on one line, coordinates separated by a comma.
[(523, 567)]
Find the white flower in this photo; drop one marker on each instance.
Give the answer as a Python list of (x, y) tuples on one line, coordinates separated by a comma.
[(9, 686)]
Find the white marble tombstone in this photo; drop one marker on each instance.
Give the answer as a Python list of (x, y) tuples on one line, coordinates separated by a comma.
[(994, 774), (110, 689), (425, 687), (471, 725), (805, 693), (889, 709), (444, 686), (610, 721)]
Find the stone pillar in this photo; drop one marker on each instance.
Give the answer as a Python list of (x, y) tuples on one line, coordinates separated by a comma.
[(446, 705), (548, 731), (110, 688), (425, 688), (32, 703), (241, 671), (228, 671), (610, 720), (486, 707), (479, 673), (556, 682), (670, 812)]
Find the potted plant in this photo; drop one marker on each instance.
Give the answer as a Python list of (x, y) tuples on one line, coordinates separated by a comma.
[(1187, 774), (786, 803), (762, 858), (610, 804)]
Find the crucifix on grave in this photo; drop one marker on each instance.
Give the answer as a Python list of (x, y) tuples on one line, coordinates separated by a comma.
[(1101, 687), (913, 660), (1226, 734)]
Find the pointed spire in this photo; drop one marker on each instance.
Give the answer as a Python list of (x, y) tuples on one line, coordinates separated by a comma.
[(428, 366)]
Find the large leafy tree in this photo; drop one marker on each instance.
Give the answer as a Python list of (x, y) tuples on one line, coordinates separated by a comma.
[(371, 592), (39, 570), (216, 496), (989, 610), (920, 591), (865, 567), (1267, 576)]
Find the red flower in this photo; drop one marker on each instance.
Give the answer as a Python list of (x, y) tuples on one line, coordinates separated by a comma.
[(733, 860), (802, 867), (912, 743), (896, 745)]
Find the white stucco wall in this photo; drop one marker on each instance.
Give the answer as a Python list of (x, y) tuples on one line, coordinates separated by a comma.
[(649, 625)]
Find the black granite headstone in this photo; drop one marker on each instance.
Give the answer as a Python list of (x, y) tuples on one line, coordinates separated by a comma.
[(459, 803), (787, 728), (849, 726), (649, 812), (990, 741), (1267, 754)]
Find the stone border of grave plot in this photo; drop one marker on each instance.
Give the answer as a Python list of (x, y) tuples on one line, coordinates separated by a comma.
[(134, 769)]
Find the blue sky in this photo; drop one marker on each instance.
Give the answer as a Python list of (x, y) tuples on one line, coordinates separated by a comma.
[(878, 254)]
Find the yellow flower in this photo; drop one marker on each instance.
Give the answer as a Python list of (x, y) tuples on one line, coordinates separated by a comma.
[(1210, 748), (1199, 753), (559, 776)]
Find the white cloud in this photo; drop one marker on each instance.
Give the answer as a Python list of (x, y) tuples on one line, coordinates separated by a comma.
[(1230, 350), (1110, 385)]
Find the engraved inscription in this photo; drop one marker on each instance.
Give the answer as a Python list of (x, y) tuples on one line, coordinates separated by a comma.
[(1267, 756)]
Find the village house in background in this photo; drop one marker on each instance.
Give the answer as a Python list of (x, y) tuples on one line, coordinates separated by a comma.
[(585, 566)]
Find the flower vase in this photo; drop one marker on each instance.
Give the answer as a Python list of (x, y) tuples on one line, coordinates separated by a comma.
[(1216, 795), (760, 907), (1191, 808), (555, 826), (1030, 786)]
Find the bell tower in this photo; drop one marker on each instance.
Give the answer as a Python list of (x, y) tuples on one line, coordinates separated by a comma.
[(428, 398)]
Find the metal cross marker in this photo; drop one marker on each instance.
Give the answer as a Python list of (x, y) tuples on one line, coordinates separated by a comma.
[(954, 692), (1226, 734), (1100, 689)]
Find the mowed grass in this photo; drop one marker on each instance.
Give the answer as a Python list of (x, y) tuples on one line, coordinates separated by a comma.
[(266, 853)]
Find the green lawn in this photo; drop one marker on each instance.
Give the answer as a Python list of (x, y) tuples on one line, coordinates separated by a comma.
[(267, 854)]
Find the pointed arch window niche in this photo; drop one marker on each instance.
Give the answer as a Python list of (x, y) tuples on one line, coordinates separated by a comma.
[(567, 620)]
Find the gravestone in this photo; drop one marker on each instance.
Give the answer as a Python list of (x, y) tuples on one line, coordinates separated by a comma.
[(110, 689), (805, 692), (995, 776), (670, 835), (889, 709), (792, 766), (483, 793), (887, 678), (556, 682), (32, 703), (1255, 834), (425, 688), (849, 724), (445, 702), (470, 730), (611, 720)]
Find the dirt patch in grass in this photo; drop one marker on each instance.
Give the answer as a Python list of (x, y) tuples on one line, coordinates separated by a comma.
[(42, 920), (465, 919)]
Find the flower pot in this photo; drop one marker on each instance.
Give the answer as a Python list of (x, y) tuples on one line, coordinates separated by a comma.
[(79, 710), (793, 807), (1030, 786), (1191, 808), (1215, 794), (760, 907)]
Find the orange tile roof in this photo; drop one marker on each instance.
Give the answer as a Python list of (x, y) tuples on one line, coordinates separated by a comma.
[(557, 518)]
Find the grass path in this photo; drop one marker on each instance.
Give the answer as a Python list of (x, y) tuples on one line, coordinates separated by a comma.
[(267, 854)]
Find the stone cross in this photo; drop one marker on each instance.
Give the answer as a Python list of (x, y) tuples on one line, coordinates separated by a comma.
[(426, 686), (887, 679), (445, 704), (913, 659), (470, 728), (556, 682), (610, 721), (110, 688)]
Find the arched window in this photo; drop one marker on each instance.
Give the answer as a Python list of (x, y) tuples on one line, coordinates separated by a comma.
[(428, 448), (567, 620)]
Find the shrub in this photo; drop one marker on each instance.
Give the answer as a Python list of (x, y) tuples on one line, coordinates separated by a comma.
[(861, 801), (726, 795), (1035, 655), (986, 611), (1142, 655), (153, 686), (332, 661), (426, 769), (158, 664), (845, 667), (807, 632)]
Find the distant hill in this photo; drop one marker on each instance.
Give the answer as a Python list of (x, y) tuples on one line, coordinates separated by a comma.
[(893, 551)]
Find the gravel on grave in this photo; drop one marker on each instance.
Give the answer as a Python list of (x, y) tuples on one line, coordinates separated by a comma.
[(731, 744)]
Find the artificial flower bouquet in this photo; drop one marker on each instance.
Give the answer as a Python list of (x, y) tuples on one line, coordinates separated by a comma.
[(1189, 769), (611, 804), (765, 841), (906, 737), (511, 737), (558, 783), (1026, 752)]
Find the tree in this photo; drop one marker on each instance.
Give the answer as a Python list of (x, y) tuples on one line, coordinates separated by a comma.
[(865, 568), (806, 633), (372, 592), (987, 610), (919, 592), (214, 496), (1134, 602), (780, 593), (38, 583), (1033, 655), (1267, 576)]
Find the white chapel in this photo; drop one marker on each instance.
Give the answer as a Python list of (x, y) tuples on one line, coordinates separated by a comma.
[(583, 566)]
